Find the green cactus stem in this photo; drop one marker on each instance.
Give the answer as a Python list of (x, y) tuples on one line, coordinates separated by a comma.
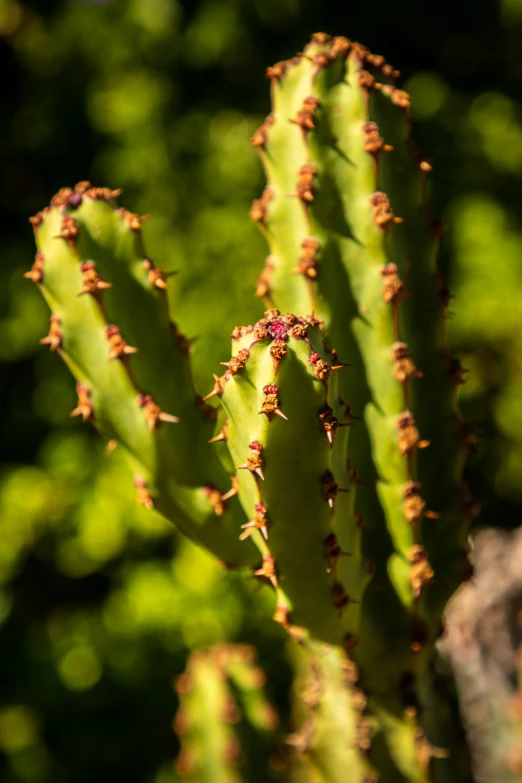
[(360, 532), (333, 732), (287, 434), (110, 323), (413, 249), (220, 687), (349, 237)]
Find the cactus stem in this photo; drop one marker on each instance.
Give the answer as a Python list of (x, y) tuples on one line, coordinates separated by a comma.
[(349, 643), (307, 262), (455, 369), (337, 364), (393, 287), (208, 412), (240, 331)]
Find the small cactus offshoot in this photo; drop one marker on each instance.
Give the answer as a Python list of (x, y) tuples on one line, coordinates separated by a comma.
[(221, 688), (338, 407)]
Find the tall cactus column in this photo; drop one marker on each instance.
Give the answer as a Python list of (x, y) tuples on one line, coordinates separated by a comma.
[(413, 250), (287, 432), (111, 325), (328, 213), (287, 437)]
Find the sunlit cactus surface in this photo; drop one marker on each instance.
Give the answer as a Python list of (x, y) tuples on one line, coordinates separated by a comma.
[(325, 458)]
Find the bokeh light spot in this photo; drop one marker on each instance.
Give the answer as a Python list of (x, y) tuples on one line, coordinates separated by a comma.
[(80, 669), (428, 93), (18, 728)]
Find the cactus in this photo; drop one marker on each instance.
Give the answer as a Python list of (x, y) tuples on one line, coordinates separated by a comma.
[(281, 400), (332, 732), (338, 408), (209, 712), (341, 170), (90, 265)]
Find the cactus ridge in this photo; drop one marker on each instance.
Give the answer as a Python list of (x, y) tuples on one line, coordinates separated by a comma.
[(110, 322), (287, 434), (334, 182), (334, 734), (350, 236)]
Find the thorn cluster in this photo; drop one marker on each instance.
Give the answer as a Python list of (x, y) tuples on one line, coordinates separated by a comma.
[(259, 209), (153, 413), (91, 280), (382, 212), (118, 347), (55, 337), (307, 264)]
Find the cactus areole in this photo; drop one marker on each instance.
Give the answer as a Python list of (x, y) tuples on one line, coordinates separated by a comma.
[(340, 413)]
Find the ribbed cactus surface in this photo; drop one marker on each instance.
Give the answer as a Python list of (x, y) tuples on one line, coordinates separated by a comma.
[(351, 239), (221, 688), (287, 435), (338, 407), (110, 322)]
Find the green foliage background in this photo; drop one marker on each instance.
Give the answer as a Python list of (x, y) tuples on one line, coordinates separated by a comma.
[(100, 602)]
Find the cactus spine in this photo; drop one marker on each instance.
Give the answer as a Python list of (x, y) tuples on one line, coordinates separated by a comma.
[(361, 531)]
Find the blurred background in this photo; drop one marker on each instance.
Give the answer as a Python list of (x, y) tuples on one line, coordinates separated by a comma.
[(101, 602)]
